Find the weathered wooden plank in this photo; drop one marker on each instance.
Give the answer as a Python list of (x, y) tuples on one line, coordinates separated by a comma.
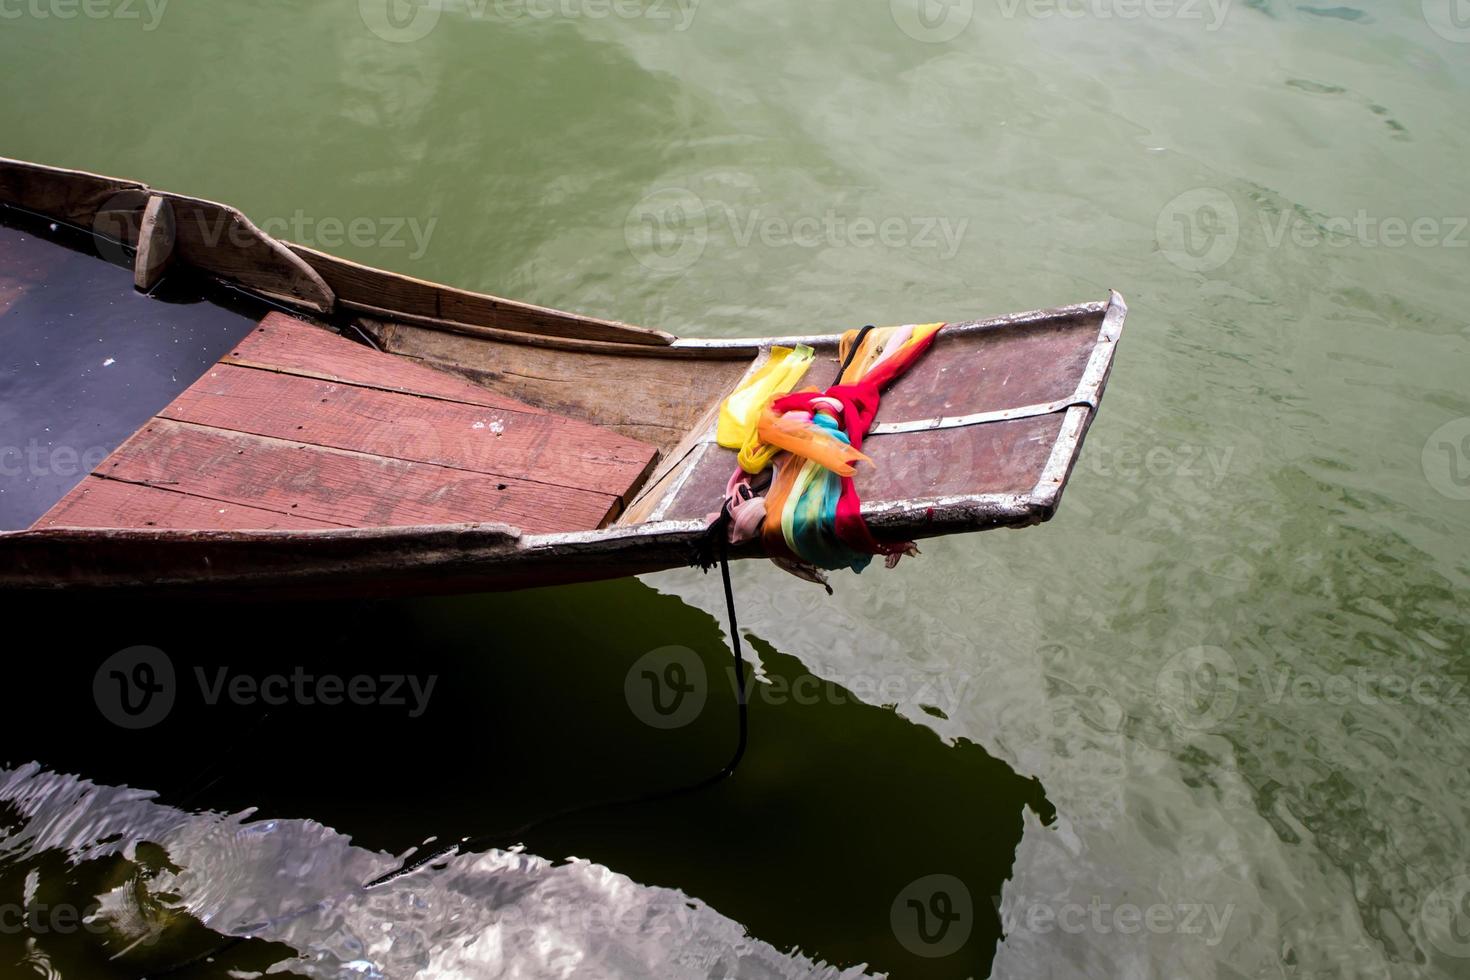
[(97, 502), (669, 396), (213, 237), (389, 294), (73, 196), (539, 447), (995, 458), (684, 351), (285, 344), (998, 457), (220, 240), (345, 488), (155, 243), (989, 372), (379, 561)]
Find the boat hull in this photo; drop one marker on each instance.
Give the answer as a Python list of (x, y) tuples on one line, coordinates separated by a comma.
[(983, 433)]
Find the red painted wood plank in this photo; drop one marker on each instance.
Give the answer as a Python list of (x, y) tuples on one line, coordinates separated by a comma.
[(344, 488), (544, 448), (283, 343), (96, 502)]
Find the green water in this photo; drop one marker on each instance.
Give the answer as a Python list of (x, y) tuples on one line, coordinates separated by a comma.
[(1235, 662)]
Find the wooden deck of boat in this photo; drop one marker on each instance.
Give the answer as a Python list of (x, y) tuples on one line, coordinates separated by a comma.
[(299, 428)]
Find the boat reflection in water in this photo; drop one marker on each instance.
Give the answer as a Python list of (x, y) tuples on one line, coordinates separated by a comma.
[(848, 835)]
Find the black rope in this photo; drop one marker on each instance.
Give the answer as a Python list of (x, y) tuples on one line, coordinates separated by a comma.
[(852, 351), (741, 703)]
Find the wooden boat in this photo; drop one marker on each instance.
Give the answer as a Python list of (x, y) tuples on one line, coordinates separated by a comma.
[(377, 433)]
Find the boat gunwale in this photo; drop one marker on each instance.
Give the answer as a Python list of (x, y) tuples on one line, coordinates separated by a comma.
[(204, 559), (940, 515), (1078, 409), (321, 299), (643, 346), (908, 518)]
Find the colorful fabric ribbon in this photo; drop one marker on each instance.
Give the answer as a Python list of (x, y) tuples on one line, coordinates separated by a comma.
[(812, 514), (740, 414)]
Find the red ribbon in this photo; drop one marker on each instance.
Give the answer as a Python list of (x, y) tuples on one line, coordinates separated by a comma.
[(860, 400)]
